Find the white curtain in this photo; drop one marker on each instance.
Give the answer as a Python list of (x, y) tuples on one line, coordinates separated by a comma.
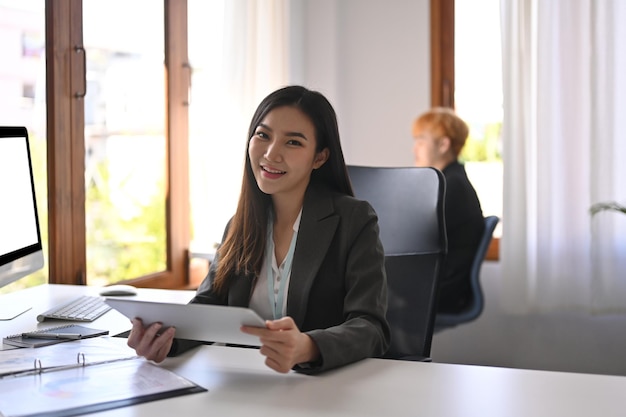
[(564, 76), (239, 52), (256, 50)]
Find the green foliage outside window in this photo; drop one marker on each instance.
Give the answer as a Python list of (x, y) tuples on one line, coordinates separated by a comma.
[(484, 145), (120, 248)]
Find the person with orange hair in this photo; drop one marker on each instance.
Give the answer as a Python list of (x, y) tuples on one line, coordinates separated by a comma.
[(439, 136)]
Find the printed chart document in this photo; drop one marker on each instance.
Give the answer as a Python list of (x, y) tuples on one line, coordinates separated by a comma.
[(49, 385)]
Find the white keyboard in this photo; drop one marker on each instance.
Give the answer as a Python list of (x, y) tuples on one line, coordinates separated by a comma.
[(82, 308)]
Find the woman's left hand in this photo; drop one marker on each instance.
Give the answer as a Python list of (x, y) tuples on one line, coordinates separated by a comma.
[(283, 345)]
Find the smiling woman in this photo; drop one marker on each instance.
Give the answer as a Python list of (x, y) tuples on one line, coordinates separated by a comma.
[(283, 152), (300, 250)]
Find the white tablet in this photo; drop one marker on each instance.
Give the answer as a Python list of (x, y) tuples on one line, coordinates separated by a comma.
[(203, 322)]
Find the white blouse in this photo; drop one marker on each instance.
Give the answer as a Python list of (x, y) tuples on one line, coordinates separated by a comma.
[(259, 301)]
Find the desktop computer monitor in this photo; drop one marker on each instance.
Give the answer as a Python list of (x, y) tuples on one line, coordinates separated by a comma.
[(21, 252)]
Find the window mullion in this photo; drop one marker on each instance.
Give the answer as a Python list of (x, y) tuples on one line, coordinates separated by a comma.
[(66, 150)]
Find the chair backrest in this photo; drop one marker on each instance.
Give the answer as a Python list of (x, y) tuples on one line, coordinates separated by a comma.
[(477, 303), (409, 204)]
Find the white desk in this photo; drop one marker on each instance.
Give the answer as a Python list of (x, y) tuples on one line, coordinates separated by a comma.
[(239, 384)]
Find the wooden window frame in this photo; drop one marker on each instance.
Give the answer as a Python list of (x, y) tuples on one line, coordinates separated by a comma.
[(442, 71), (65, 88)]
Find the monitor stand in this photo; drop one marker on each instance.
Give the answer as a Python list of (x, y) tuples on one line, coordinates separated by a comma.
[(9, 312)]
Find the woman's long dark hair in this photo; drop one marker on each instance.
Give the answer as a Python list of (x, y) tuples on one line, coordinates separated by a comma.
[(243, 248)]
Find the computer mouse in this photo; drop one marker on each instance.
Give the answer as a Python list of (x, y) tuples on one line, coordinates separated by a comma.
[(118, 289)]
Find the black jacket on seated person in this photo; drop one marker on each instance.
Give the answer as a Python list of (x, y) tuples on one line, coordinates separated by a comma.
[(464, 225), (338, 287)]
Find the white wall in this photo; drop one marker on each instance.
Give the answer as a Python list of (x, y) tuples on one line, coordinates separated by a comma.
[(371, 59)]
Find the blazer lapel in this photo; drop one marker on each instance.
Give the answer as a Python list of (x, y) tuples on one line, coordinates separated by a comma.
[(317, 228)]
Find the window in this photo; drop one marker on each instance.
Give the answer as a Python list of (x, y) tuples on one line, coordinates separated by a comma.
[(125, 147), (466, 74), (89, 78), (239, 51), (22, 102), (478, 97), (217, 127)]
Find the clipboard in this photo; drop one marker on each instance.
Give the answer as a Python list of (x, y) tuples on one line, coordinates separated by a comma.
[(201, 322), (88, 388), (87, 376)]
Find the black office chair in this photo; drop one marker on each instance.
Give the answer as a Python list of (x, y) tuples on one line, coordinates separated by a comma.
[(409, 204), (477, 303)]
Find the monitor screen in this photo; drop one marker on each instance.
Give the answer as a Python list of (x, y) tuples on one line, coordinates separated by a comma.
[(20, 238)]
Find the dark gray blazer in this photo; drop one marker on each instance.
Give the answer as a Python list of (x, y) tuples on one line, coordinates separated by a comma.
[(338, 287)]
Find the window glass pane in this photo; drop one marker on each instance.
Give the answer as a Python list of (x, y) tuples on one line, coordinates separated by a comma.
[(124, 139), (478, 97), (22, 100), (217, 127)]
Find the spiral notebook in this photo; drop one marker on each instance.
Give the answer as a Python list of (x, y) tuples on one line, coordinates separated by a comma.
[(52, 336)]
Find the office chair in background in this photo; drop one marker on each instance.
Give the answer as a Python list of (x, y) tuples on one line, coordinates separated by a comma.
[(409, 204), (475, 307)]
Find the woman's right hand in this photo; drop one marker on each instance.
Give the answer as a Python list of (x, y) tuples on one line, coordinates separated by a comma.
[(148, 342)]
